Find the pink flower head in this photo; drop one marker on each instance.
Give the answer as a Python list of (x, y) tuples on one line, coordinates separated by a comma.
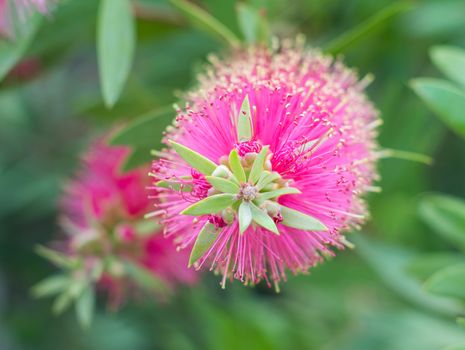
[(285, 146), (103, 214), (10, 10)]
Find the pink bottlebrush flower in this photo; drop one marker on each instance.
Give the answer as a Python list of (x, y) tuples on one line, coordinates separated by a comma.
[(10, 10), (103, 211), (266, 167)]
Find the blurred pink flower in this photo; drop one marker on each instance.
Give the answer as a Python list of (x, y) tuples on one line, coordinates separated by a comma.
[(103, 211), (20, 9), (315, 129)]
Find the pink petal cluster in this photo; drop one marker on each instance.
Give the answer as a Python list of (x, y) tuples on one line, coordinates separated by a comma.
[(103, 210), (321, 129), (20, 9)]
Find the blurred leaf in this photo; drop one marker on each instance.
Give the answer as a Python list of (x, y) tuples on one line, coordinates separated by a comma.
[(57, 258), (365, 28), (435, 18), (425, 265), (85, 305), (455, 347), (206, 22), (411, 156), (61, 303), (448, 282), (253, 24), (210, 205), (446, 215), (143, 135), (50, 286), (445, 99), (451, 61), (296, 219), (115, 47), (12, 50), (194, 159), (144, 278), (390, 264), (204, 241)]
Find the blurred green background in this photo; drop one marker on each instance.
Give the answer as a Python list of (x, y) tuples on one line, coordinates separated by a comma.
[(365, 298)]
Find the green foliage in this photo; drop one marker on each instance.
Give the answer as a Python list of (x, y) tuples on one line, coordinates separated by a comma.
[(253, 24), (115, 47), (143, 135), (446, 215), (204, 21), (427, 264), (12, 51), (451, 61), (449, 281), (365, 28), (445, 99)]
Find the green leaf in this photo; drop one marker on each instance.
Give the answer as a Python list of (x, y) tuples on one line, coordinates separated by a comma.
[(144, 278), (263, 219), (85, 306), (11, 51), (115, 46), (267, 178), (296, 219), (236, 166), (244, 215), (57, 258), (389, 263), (365, 28), (210, 205), (455, 347), (204, 241), (411, 156), (222, 185), (424, 266), (194, 159), (448, 282), (282, 191), (143, 135), (61, 303), (206, 22), (451, 61), (253, 24), (443, 98), (50, 286), (244, 121), (445, 215), (257, 167)]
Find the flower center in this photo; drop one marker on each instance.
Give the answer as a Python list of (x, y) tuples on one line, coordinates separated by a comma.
[(247, 192), (243, 188)]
